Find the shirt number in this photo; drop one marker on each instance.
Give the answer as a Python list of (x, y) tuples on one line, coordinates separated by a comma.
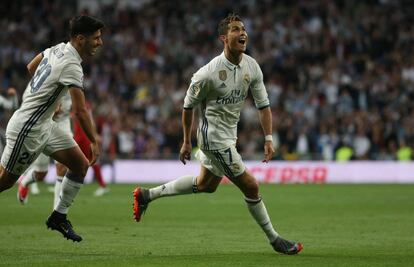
[(42, 72)]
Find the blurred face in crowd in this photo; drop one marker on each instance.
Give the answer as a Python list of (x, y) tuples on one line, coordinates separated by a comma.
[(236, 38), (89, 44)]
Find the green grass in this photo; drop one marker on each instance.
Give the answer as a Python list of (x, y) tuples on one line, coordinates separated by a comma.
[(340, 225)]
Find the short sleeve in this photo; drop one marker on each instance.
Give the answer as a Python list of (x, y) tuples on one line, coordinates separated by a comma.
[(72, 75), (197, 91), (258, 89)]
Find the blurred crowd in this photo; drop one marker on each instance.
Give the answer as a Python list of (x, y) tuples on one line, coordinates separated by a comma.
[(339, 74)]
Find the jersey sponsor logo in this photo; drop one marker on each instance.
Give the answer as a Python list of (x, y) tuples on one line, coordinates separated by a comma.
[(235, 97), (223, 75)]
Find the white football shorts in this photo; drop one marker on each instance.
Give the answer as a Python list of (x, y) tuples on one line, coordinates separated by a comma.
[(222, 162), (21, 151)]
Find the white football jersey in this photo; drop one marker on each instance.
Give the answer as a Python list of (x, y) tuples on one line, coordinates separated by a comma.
[(59, 70), (219, 90)]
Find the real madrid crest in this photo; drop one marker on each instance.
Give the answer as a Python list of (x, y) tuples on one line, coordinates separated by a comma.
[(246, 78), (223, 75)]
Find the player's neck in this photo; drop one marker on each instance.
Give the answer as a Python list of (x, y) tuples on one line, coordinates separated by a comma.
[(233, 57), (78, 48)]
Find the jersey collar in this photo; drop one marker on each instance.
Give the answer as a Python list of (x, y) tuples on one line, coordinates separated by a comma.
[(74, 51), (230, 65)]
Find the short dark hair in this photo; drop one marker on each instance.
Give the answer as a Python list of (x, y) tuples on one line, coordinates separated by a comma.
[(224, 23), (85, 25)]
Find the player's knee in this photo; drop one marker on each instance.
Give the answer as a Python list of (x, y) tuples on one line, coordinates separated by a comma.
[(4, 186), (6, 183), (252, 189), (81, 169)]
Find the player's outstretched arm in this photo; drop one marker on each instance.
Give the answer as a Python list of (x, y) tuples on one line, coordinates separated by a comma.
[(266, 122), (82, 114), (187, 122)]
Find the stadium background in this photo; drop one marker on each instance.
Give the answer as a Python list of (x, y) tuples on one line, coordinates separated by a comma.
[(339, 73), (340, 76)]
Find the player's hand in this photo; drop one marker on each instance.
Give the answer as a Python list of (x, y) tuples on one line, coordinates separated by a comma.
[(95, 153), (268, 151), (11, 91), (185, 152)]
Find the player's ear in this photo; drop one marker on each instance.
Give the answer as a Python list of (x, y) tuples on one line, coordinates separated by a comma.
[(223, 38), (80, 38)]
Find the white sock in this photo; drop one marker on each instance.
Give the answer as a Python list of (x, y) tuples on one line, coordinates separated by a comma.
[(68, 193), (181, 186), (29, 178), (58, 187), (258, 211)]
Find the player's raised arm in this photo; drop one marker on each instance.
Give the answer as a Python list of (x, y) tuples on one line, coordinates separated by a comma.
[(82, 114), (32, 66)]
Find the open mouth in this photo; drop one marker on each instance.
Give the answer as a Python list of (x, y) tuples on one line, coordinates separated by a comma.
[(242, 40)]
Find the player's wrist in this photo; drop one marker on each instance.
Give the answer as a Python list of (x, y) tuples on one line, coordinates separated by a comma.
[(269, 138)]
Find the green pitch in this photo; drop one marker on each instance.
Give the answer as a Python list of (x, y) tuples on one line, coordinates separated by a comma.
[(339, 225)]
